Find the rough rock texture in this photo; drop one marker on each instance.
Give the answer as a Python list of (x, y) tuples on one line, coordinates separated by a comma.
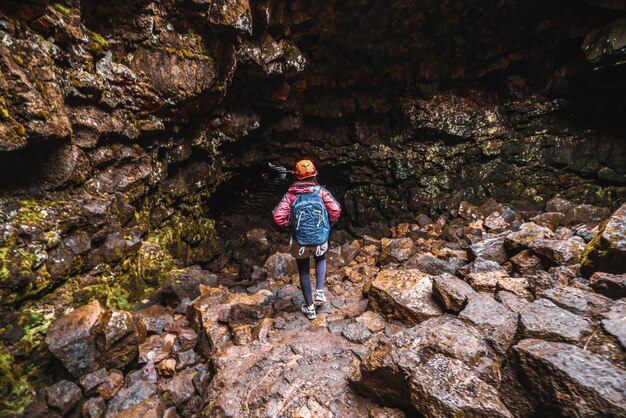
[(607, 251), (132, 133), (578, 383), (404, 294)]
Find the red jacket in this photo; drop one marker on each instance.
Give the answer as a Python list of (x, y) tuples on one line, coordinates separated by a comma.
[(282, 212)]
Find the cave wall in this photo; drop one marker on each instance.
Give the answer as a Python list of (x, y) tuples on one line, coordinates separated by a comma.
[(119, 119)]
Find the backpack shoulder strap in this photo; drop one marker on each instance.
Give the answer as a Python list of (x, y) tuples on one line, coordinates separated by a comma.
[(317, 189)]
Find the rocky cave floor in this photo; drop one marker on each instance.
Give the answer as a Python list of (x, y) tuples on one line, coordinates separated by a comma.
[(496, 311)]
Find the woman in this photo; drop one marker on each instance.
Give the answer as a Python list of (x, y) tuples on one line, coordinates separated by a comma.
[(307, 185)]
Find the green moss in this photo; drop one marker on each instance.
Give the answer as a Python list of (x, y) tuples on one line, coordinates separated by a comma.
[(14, 386), (20, 129), (62, 9), (97, 44)]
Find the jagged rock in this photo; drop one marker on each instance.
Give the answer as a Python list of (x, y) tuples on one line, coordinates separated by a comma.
[(512, 301), (549, 219), (187, 339), (490, 249), (167, 367), (63, 396), (497, 322), (611, 285), (496, 221), (486, 281), (451, 291), (154, 349), (575, 381), (578, 301), (607, 251), (613, 321), (561, 252), (147, 373), (559, 205), (404, 294), (423, 220), (72, 338), (279, 265), (526, 263), (185, 284), (170, 413), (91, 381), (121, 335), (396, 250), (128, 397), (585, 214), (399, 373), (112, 384), (480, 265), (94, 408), (516, 285), (543, 319), (372, 321), (152, 407), (181, 388), (186, 358), (429, 264), (524, 238), (468, 211)]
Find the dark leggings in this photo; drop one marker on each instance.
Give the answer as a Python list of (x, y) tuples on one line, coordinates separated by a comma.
[(305, 276)]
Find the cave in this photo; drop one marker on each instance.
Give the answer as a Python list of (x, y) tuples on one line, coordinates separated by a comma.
[(478, 147)]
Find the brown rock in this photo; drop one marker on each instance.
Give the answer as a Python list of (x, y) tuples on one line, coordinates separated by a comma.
[(63, 396), (185, 284), (543, 319), (181, 388), (72, 338), (131, 396), (614, 321), (486, 281), (452, 292), (578, 301), (497, 322), (562, 252), (607, 251), (517, 285), (372, 321), (490, 249), (167, 367), (279, 265), (585, 214), (559, 205), (91, 381), (154, 349), (611, 285), (526, 236), (94, 408), (403, 294), (121, 335), (396, 250), (525, 262), (152, 407), (575, 381), (112, 384), (549, 219)]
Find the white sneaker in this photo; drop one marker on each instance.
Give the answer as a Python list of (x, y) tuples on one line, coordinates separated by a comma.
[(319, 296), (309, 312)]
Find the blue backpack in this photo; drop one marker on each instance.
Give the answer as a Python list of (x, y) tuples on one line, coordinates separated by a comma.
[(310, 219)]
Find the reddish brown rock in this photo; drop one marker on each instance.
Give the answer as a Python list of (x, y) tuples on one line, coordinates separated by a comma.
[(404, 294), (611, 285), (607, 251)]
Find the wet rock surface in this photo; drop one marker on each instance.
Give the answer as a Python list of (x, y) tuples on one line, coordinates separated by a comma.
[(389, 334), (146, 142)]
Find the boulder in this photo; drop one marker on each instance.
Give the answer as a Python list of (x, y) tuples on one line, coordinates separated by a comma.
[(490, 249), (91, 381), (495, 221), (152, 407), (578, 301), (429, 264), (72, 338), (404, 294), (442, 386), (111, 385), (279, 265), (498, 323), (611, 285), (63, 396), (516, 285), (607, 251), (559, 205), (561, 252), (614, 322), (585, 214), (181, 387), (528, 233), (94, 408), (486, 281), (575, 381), (549, 219), (525, 262), (396, 250), (130, 396), (543, 319), (154, 349), (451, 292), (185, 284), (121, 335)]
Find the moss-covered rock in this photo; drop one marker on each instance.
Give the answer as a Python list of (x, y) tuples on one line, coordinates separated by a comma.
[(606, 252)]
